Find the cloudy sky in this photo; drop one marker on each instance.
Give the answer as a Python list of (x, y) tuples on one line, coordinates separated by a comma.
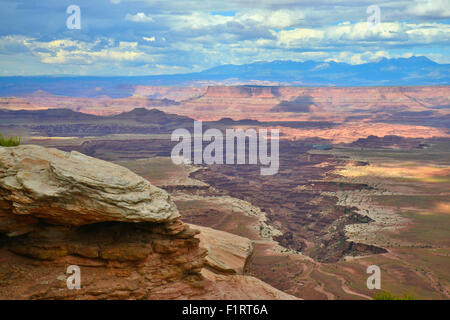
[(142, 37)]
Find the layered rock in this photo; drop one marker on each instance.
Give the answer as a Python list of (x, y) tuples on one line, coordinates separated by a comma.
[(227, 265), (241, 287), (227, 253), (242, 91), (59, 209), (73, 189), (116, 259)]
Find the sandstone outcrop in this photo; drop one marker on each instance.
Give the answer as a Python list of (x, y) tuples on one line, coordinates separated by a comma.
[(242, 91), (59, 209), (241, 287), (117, 261), (227, 253), (226, 267), (73, 189)]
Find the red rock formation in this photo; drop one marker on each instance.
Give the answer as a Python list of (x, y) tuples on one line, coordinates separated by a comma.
[(241, 92), (59, 209)]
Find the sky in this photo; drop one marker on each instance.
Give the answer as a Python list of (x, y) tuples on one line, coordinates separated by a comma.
[(151, 37)]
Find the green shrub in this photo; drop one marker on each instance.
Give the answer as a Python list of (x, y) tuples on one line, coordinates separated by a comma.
[(385, 295), (9, 142)]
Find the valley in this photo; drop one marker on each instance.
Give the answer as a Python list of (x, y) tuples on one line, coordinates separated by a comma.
[(358, 183)]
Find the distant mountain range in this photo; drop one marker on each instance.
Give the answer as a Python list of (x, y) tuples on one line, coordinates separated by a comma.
[(137, 115), (386, 72), (65, 122)]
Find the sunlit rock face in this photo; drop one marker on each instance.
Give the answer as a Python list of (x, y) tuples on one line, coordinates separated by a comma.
[(59, 209), (227, 253), (73, 189)]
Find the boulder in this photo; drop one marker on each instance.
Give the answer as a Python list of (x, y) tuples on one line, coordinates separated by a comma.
[(59, 209), (73, 189), (227, 253)]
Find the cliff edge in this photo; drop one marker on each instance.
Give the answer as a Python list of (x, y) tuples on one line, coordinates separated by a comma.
[(59, 209)]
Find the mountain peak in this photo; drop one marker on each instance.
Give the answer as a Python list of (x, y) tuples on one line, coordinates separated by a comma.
[(139, 112), (412, 59)]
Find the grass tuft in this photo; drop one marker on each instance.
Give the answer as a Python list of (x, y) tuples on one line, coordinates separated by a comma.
[(9, 142), (385, 295)]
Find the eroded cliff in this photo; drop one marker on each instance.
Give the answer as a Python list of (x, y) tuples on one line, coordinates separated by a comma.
[(59, 209)]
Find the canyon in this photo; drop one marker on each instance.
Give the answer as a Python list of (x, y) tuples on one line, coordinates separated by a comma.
[(353, 163), (59, 209), (255, 102)]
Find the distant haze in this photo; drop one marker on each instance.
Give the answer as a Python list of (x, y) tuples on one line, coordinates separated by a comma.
[(386, 72)]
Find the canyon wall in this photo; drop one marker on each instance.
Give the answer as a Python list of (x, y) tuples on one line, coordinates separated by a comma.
[(59, 209)]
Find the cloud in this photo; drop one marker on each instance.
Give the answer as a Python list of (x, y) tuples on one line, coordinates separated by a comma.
[(359, 58), (11, 45), (272, 19), (138, 17), (134, 36), (388, 34), (436, 9), (67, 51), (246, 19)]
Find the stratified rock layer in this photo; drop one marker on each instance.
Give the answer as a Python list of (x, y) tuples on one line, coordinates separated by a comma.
[(227, 253), (59, 209), (73, 189)]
